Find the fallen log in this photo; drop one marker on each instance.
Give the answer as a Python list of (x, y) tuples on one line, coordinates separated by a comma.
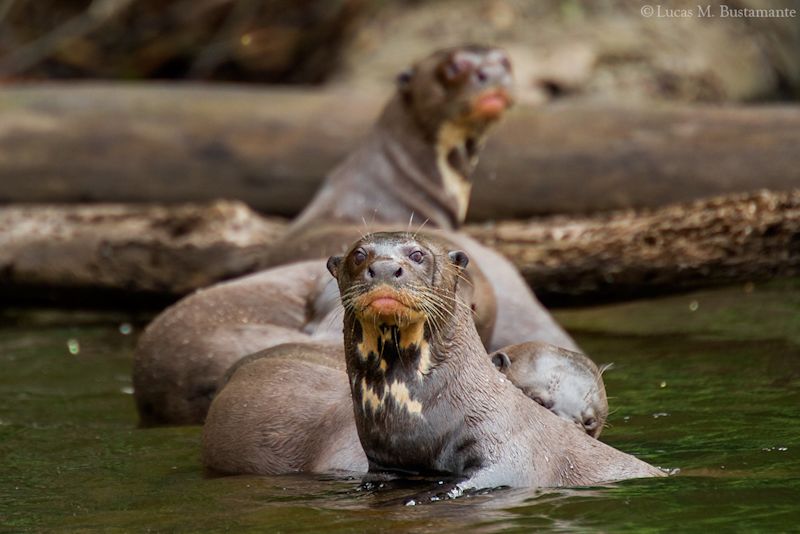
[(271, 148), (134, 252), (142, 253), (624, 255)]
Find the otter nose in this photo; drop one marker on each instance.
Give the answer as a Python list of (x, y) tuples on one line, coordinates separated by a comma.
[(491, 72), (385, 271)]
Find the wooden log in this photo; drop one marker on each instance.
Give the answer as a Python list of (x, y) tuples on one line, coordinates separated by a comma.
[(143, 253), (134, 251), (271, 148), (722, 240)]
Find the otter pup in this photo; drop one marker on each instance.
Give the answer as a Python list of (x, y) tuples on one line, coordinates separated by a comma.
[(565, 382), (425, 395)]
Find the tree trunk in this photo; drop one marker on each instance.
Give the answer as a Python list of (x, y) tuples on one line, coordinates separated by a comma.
[(271, 148), (112, 251)]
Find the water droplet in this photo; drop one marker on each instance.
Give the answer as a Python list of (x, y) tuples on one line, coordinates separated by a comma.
[(783, 449), (694, 305), (127, 390), (73, 346), (660, 414), (125, 329), (663, 384)]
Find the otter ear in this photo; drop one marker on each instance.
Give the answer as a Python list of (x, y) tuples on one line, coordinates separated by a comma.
[(333, 265), (501, 360), (403, 79), (458, 258)]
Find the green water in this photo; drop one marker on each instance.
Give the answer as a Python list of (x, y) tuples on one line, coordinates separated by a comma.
[(708, 383)]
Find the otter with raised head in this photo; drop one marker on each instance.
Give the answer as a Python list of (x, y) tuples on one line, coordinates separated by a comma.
[(425, 395), (417, 159), (565, 382)]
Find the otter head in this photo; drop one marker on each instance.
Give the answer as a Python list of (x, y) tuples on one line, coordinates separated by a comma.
[(469, 87), (397, 279), (399, 293), (566, 383), (452, 97)]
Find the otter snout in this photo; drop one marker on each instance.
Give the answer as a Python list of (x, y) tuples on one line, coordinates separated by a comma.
[(386, 271)]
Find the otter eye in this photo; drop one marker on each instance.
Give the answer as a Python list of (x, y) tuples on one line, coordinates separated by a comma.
[(456, 68), (359, 256), (417, 256)]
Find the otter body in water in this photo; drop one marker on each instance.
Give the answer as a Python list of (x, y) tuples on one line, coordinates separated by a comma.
[(565, 382), (425, 395), (297, 394)]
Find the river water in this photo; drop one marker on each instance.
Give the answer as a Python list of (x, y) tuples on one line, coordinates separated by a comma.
[(707, 384)]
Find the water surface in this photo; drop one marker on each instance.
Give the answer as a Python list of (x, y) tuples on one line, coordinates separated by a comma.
[(708, 383)]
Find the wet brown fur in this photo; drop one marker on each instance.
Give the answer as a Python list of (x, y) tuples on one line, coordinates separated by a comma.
[(461, 417)]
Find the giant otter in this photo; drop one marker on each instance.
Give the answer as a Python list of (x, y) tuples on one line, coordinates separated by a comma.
[(417, 159), (565, 382), (425, 395)]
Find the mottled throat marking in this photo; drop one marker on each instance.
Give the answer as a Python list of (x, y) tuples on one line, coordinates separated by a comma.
[(456, 156), (390, 357)]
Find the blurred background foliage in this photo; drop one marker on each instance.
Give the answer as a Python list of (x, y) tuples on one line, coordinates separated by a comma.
[(602, 49)]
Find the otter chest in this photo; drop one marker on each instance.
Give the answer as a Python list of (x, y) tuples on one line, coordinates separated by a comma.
[(391, 364)]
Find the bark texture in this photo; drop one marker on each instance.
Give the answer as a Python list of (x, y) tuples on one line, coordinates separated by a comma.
[(169, 251)]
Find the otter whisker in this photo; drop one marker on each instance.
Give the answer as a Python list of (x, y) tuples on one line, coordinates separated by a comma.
[(414, 235)]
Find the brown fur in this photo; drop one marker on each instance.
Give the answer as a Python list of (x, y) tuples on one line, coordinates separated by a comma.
[(417, 160), (460, 417), (186, 350), (472, 422), (565, 382), (397, 176), (284, 410)]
